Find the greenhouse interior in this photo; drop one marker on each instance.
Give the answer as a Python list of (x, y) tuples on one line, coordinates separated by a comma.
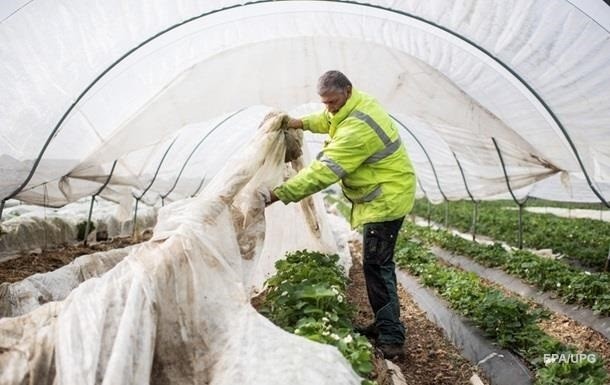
[(305, 192)]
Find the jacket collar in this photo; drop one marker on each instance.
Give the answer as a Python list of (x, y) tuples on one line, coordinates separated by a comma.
[(347, 108)]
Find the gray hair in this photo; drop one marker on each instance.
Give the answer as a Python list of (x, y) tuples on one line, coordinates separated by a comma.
[(332, 81)]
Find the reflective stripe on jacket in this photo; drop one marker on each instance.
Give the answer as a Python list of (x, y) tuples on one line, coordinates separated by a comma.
[(366, 155)]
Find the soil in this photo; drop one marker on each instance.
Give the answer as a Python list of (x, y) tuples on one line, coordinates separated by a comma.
[(430, 359), (42, 261), (572, 333)]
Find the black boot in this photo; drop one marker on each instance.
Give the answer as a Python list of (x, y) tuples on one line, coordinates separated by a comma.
[(369, 331), (391, 351)]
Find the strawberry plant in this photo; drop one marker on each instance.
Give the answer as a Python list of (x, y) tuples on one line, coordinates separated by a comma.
[(306, 297), (570, 373), (585, 240), (508, 321), (572, 285)]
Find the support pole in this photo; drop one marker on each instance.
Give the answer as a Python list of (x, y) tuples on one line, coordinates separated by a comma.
[(93, 200), (138, 198), (475, 212), (44, 205), (135, 217), (447, 214), (475, 215), (510, 190), (2, 207), (421, 186), (520, 226), (438, 184), (199, 187), (88, 220)]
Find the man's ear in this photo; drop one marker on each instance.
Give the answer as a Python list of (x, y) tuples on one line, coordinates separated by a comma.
[(349, 91)]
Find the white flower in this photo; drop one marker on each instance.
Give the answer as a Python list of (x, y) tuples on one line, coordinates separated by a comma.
[(284, 293), (558, 284), (340, 298), (325, 319), (348, 339), (335, 337)]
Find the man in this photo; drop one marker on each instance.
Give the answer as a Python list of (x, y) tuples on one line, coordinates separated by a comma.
[(366, 155)]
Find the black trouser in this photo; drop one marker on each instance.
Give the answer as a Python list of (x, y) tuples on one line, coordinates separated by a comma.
[(379, 242)]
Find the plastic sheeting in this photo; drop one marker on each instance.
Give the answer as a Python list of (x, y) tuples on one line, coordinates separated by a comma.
[(176, 310), (116, 81), (27, 227), (24, 296)]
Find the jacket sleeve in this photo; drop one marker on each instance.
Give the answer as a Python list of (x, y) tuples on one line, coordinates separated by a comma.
[(317, 123), (343, 155)]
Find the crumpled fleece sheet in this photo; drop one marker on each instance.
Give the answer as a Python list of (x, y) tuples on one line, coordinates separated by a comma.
[(21, 297), (176, 310)]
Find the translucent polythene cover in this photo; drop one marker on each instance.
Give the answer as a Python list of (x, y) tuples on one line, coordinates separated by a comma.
[(176, 309), (133, 81)]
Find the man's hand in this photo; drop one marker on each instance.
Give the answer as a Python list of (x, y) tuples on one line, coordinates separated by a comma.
[(294, 123), (272, 198)]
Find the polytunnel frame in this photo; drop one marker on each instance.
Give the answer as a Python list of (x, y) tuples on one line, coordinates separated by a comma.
[(375, 6), (138, 198), (93, 201), (425, 153), (163, 196), (421, 186), (438, 184), (475, 209), (198, 187), (512, 194)]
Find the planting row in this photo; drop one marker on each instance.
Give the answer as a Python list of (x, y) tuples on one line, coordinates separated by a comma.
[(591, 290), (585, 240), (307, 297), (513, 324)]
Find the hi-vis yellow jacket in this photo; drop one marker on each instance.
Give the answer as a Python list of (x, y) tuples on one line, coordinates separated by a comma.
[(366, 154)]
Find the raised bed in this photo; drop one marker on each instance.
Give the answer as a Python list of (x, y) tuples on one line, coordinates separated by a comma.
[(509, 322)]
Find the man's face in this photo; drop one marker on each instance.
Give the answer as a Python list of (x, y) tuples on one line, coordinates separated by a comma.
[(334, 100)]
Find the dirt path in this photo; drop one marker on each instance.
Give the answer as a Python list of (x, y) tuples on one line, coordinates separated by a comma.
[(430, 358)]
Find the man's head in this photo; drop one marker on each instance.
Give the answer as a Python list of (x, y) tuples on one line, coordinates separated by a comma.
[(334, 89)]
